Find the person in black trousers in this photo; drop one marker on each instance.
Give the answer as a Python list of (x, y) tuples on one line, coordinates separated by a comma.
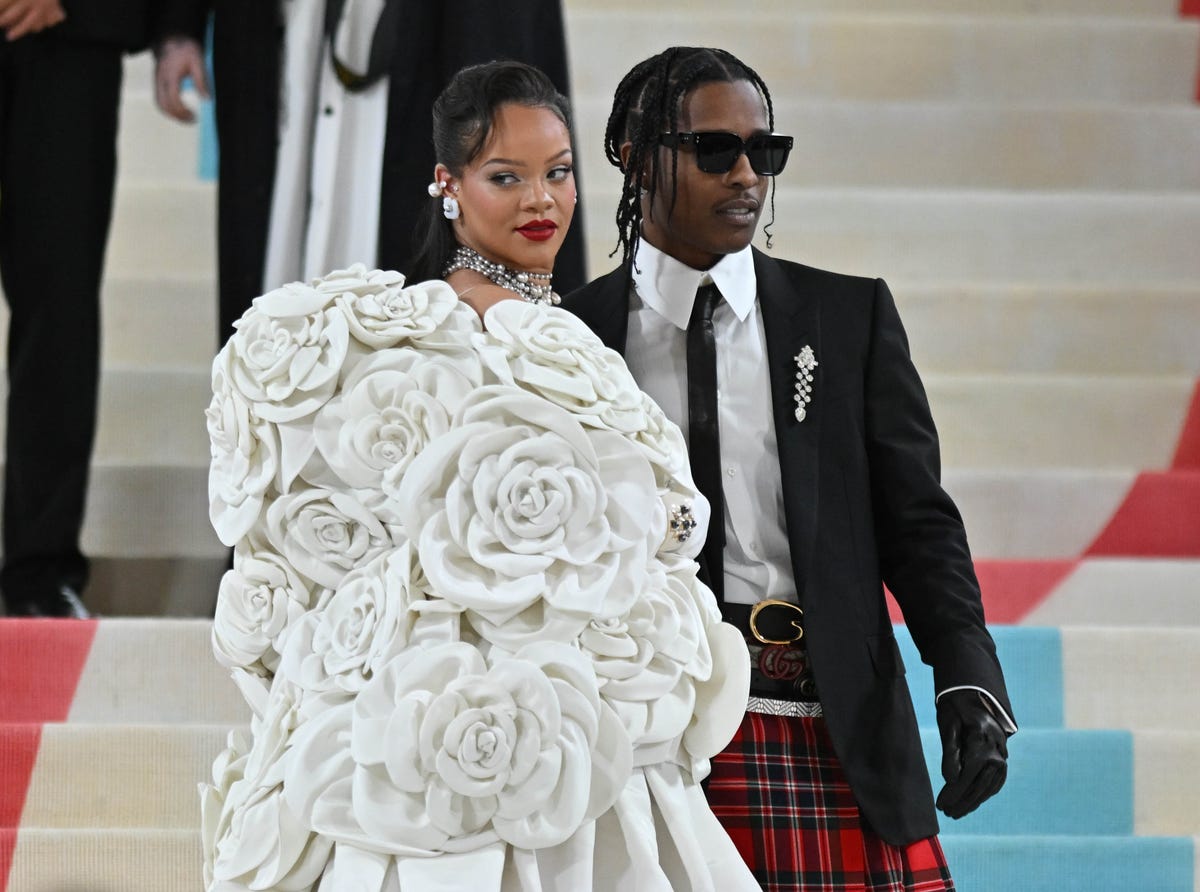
[(60, 83)]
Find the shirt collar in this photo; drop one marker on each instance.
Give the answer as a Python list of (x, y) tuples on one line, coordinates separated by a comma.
[(669, 287)]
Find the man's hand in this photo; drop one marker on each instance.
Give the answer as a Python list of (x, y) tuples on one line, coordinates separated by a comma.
[(178, 58), (974, 752), (21, 17)]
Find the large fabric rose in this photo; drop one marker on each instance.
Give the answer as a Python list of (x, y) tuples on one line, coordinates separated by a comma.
[(646, 660), (367, 621), (550, 352), (287, 352), (519, 502), (447, 753), (244, 453), (259, 600), (387, 410), (325, 533), (381, 311), (252, 839)]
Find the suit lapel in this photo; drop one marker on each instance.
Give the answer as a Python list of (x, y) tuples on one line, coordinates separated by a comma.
[(791, 320), (604, 307)]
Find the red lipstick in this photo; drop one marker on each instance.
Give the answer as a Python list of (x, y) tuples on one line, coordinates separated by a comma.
[(538, 230)]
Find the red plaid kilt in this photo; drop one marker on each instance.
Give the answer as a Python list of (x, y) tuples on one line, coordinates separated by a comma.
[(780, 793)]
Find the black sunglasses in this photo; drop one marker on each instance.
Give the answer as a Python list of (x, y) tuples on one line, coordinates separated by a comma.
[(717, 151)]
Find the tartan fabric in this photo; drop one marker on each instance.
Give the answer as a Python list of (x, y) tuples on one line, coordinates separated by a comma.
[(780, 793)]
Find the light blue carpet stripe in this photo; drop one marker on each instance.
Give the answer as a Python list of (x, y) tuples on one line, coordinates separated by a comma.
[(1070, 864), (1032, 660), (1059, 782)]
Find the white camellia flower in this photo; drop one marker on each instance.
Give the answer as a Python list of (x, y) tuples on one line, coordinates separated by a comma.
[(252, 839), (447, 753), (258, 601), (550, 352), (381, 311), (325, 533), (386, 411), (520, 502), (244, 457), (368, 620), (646, 660), (287, 352)]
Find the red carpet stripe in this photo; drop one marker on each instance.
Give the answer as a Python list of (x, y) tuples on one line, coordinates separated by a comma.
[(40, 664), (1012, 589), (1160, 517), (18, 753)]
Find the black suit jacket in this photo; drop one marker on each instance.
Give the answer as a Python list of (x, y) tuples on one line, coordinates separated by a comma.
[(119, 23), (864, 506)]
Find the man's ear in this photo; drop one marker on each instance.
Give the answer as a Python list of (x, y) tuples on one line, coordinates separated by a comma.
[(626, 148)]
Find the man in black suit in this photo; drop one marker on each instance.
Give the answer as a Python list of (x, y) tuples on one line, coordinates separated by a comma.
[(418, 45), (811, 436), (60, 82)]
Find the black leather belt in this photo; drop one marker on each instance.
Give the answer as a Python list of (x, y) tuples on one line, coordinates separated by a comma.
[(779, 664)]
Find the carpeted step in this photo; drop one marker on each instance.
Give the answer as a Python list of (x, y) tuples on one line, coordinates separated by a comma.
[(1059, 783), (1031, 514), (1048, 328), (149, 860), (960, 235), (965, 144), (1089, 782), (131, 671), (1131, 678), (906, 57), (988, 8), (1123, 592), (113, 776), (1058, 421), (1071, 863)]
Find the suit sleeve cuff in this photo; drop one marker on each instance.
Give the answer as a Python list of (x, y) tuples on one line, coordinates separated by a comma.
[(993, 705)]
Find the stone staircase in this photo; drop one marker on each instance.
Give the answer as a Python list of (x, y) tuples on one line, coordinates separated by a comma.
[(1025, 174)]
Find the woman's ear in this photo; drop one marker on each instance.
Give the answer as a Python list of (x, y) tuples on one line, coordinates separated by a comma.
[(444, 179)]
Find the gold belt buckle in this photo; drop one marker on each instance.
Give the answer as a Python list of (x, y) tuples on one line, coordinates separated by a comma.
[(776, 602)]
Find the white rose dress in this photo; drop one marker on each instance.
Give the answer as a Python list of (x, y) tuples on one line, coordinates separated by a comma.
[(463, 609)]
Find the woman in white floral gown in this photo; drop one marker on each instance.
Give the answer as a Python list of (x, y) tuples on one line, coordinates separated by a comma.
[(463, 609)]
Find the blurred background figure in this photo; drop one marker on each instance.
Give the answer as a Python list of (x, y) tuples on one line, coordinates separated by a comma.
[(323, 110), (60, 86)]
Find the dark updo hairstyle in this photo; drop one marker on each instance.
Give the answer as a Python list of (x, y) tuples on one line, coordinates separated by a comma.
[(647, 104), (463, 116)]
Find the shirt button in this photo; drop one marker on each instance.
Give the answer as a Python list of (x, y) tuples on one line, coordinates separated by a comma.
[(732, 472)]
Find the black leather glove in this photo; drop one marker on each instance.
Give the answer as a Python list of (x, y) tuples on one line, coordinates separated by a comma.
[(974, 752)]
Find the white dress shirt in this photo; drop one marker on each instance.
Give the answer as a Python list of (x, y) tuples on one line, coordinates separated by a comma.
[(757, 555)]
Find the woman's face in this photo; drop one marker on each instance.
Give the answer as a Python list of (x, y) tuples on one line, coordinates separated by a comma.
[(518, 195), (714, 214)]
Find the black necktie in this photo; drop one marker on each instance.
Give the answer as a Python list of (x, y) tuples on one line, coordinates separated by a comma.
[(704, 436)]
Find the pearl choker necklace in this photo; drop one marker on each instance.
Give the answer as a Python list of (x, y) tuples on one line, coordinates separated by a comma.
[(533, 287)]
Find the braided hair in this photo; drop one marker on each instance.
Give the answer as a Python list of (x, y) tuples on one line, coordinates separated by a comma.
[(463, 115), (646, 104)]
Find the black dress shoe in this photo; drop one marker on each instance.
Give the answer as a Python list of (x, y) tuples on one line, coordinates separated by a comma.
[(63, 604)]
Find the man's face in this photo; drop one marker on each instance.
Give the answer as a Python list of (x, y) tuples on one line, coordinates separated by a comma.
[(715, 213)]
